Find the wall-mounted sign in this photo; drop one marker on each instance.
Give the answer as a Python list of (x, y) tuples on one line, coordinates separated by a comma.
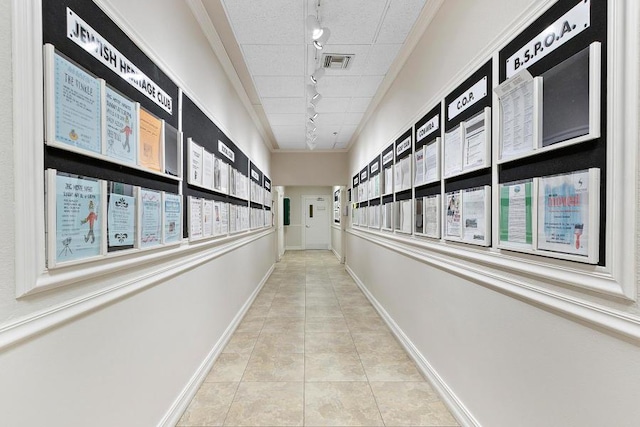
[(355, 180), (90, 40), (363, 175), (387, 158), (468, 98), (561, 31), (226, 151), (375, 167), (427, 128), (403, 146), (255, 175)]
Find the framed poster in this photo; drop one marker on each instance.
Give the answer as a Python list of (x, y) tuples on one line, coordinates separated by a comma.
[(150, 218), (121, 130), (73, 104), (568, 215), (121, 217), (151, 141), (476, 216), (75, 218), (516, 215), (172, 218)]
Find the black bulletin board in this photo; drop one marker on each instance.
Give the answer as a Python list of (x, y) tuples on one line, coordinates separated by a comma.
[(54, 28), (590, 154), (430, 135), (253, 169), (484, 71), (399, 141)]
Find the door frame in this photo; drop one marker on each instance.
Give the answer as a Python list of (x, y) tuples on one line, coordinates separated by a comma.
[(304, 218)]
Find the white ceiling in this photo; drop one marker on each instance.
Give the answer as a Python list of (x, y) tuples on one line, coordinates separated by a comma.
[(279, 57)]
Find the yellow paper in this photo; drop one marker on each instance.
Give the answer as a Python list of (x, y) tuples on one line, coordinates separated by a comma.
[(150, 141)]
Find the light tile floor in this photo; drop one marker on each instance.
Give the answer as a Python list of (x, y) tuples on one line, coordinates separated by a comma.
[(313, 351)]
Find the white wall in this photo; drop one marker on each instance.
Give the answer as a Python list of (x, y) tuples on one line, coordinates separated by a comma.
[(506, 355), (123, 349), (293, 231), (337, 230), (310, 168)]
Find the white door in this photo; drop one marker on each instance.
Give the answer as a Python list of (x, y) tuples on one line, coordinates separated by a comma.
[(316, 222)]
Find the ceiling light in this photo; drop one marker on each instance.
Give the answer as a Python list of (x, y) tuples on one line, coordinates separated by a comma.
[(312, 112), (311, 127), (312, 92), (314, 101), (317, 75), (311, 145), (313, 26), (311, 120), (322, 40)]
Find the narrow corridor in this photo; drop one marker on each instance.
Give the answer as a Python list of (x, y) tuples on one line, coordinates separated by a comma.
[(313, 351)]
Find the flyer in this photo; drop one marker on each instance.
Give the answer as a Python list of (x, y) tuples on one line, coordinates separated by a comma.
[(388, 180), (121, 219), (217, 179), (517, 114), (78, 218), (474, 142), (122, 136), (516, 213), (207, 170), (77, 106), (398, 177), (432, 216), (224, 219), (172, 218), (150, 218), (563, 213), (418, 215), (150, 154), (405, 164), (195, 163), (195, 218), (405, 211), (474, 215), (224, 178), (419, 167), (207, 218), (431, 166), (453, 152), (453, 221), (217, 221)]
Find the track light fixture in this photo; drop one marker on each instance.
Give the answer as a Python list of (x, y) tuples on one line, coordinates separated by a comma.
[(314, 101), (312, 92), (322, 40), (317, 75), (311, 112), (313, 25)]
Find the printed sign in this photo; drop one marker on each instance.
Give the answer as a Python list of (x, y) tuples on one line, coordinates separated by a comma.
[(468, 98), (255, 175), (355, 181), (387, 158), (427, 128), (375, 167), (87, 38), (403, 146), (226, 151), (363, 175), (564, 29)]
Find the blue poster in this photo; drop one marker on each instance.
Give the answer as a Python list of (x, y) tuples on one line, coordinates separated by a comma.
[(121, 217), (151, 218), (77, 106), (78, 218), (172, 218), (122, 138)]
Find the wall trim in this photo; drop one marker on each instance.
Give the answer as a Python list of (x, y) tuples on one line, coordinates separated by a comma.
[(515, 287), (459, 411), (39, 322), (185, 397), (293, 248), (336, 254)]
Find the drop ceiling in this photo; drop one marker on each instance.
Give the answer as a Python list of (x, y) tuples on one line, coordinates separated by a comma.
[(270, 48)]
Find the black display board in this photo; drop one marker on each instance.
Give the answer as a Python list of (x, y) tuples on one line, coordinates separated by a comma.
[(267, 186), (54, 28), (256, 174), (428, 190), (585, 155), (387, 156), (429, 133), (404, 151), (364, 175), (484, 72), (374, 167)]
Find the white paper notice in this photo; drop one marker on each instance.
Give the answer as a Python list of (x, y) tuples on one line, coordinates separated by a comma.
[(432, 216), (388, 180), (217, 226), (224, 218), (431, 162), (453, 152), (405, 208), (405, 164), (195, 218), (516, 101), (195, 164), (473, 215), (224, 178), (452, 228), (207, 170), (207, 218), (419, 167), (398, 177), (474, 143)]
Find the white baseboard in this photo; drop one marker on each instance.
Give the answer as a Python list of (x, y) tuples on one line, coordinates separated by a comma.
[(455, 405), (293, 248), (180, 405), (336, 254)]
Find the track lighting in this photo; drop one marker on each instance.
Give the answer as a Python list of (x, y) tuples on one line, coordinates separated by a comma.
[(317, 75), (312, 113), (314, 101), (312, 92), (322, 40)]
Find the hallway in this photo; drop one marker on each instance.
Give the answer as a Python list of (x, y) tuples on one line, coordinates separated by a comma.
[(313, 351)]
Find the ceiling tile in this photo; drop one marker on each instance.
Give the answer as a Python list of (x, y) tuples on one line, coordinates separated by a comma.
[(292, 145), (401, 16), (283, 105), (352, 118), (286, 119), (274, 60), (333, 105), (346, 133), (359, 105), (266, 22), (368, 86), (330, 119), (382, 55), (352, 22), (279, 87), (338, 86)]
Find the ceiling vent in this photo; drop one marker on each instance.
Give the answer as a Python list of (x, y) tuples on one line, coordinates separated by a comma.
[(337, 61)]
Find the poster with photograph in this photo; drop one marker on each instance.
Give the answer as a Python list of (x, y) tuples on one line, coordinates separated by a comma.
[(432, 216), (475, 207), (150, 153), (516, 213), (172, 218), (121, 119), (564, 216), (150, 218), (78, 218), (77, 106), (121, 220), (453, 227), (195, 218)]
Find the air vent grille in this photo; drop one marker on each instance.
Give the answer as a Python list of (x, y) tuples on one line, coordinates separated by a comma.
[(337, 61)]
